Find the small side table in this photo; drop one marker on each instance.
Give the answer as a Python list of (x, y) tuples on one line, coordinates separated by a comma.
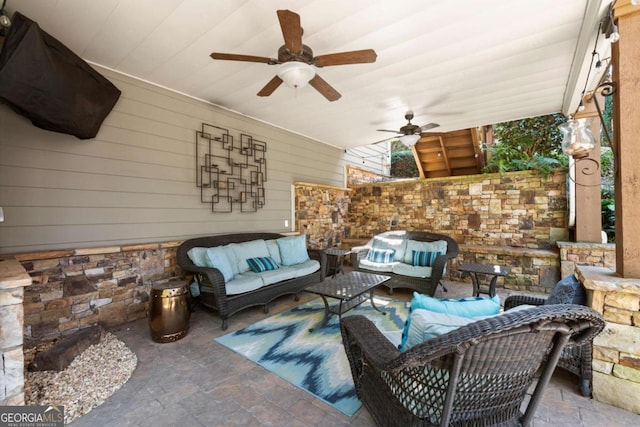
[(169, 311), (335, 260), (490, 270)]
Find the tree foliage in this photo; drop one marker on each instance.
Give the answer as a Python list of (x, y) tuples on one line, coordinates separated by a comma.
[(607, 120), (527, 144), (403, 164), (607, 194)]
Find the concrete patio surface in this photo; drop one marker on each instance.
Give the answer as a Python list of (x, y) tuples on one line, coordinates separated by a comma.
[(198, 382)]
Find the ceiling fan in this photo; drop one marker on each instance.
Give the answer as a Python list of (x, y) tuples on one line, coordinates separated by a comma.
[(297, 59), (410, 133)]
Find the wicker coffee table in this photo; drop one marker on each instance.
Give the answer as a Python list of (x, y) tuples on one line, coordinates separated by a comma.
[(351, 289)]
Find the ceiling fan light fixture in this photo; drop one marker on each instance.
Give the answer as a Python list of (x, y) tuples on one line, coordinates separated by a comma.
[(409, 140), (296, 74)]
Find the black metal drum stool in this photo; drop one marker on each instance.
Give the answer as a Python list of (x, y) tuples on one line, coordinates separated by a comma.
[(169, 311)]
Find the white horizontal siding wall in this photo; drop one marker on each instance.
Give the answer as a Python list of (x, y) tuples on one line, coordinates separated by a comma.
[(135, 182)]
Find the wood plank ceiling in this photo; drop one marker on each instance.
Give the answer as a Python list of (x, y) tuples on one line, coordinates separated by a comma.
[(449, 154), (461, 64)]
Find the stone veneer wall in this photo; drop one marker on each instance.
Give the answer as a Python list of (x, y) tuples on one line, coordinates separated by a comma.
[(357, 176), (321, 213), (73, 289), (515, 209), (616, 351), (573, 254), (532, 270)]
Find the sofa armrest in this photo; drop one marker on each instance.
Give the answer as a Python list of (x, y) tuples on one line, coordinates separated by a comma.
[(437, 269), (358, 253), (360, 248), (363, 340), (320, 256), (213, 278), (516, 300)]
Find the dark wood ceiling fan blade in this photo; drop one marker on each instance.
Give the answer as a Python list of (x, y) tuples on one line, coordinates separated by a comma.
[(387, 130), (325, 89), (248, 58), (270, 87), (291, 30), (343, 58), (429, 126)]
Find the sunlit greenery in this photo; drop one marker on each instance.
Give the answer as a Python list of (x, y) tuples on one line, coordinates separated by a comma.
[(527, 144)]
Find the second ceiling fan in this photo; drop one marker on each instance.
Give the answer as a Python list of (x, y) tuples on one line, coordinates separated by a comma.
[(297, 60), (410, 133)]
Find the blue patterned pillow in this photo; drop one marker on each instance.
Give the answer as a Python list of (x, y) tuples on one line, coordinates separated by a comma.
[(381, 255), (260, 264), (424, 258)]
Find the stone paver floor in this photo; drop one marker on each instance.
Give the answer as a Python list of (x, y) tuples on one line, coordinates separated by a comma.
[(197, 382)]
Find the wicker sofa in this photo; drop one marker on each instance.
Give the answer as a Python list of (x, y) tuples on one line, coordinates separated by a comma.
[(222, 296), (402, 273)]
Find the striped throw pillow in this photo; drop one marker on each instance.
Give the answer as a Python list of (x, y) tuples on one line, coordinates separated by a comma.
[(260, 264), (381, 255), (424, 258)]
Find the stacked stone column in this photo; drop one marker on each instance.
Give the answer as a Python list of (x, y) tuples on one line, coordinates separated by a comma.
[(616, 351), (13, 280)]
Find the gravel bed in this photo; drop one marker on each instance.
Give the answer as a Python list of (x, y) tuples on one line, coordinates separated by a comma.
[(87, 382)]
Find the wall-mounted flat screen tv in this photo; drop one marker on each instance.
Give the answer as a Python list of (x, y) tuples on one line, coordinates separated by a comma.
[(43, 80)]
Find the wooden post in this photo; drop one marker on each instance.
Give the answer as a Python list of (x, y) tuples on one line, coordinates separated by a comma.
[(588, 177), (626, 69)]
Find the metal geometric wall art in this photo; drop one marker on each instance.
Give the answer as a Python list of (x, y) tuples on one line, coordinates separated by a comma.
[(230, 173)]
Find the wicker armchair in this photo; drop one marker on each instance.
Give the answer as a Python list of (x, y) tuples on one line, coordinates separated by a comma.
[(476, 375), (576, 360)]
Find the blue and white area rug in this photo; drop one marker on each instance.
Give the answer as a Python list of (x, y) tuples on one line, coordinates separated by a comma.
[(313, 361)]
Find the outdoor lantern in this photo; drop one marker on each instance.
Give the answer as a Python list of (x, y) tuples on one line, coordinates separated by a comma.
[(578, 140)]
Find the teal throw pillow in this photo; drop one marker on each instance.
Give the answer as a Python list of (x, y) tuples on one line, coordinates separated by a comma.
[(463, 307), (381, 255), (293, 249), (198, 257), (424, 258), (427, 324), (260, 264), (218, 259)]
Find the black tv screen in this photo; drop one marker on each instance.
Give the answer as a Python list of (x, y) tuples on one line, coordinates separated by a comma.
[(43, 80)]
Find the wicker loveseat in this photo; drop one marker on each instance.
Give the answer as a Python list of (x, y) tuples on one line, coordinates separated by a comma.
[(402, 273), (476, 375), (216, 293)]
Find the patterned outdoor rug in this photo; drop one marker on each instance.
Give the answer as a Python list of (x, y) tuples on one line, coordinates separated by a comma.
[(316, 361)]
